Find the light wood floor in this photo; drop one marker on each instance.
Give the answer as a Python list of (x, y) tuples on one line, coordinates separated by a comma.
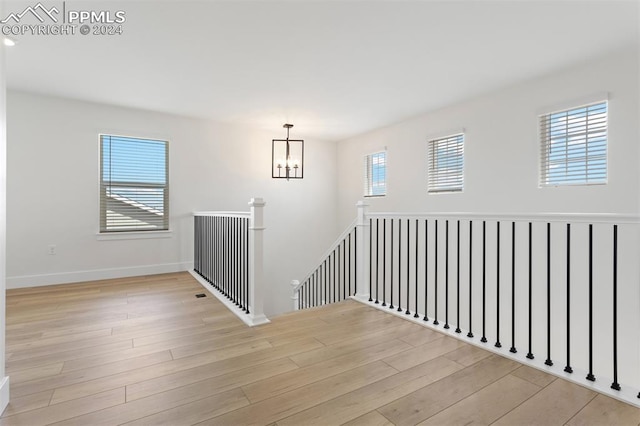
[(147, 351)]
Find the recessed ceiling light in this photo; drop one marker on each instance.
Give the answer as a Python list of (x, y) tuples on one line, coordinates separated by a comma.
[(9, 42)]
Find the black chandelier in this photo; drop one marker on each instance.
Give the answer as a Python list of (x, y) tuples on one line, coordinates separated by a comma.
[(287, 157)]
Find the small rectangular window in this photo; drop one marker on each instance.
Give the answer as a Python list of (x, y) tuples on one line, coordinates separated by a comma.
[(445, 159), (573, 146), (375, 174), (134, 190)]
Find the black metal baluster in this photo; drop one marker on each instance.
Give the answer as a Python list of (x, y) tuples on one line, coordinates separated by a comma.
[(335, 278), (391, 285), (399, 264), (470, 333), (240, 266), (371, 260), (498, 344), (318, 287), (248, 284), (227, 266), (223, 255), (615, 385), (344, 269), (446, 274), (384, 262), (377, 259), (330, 278), (426, 277), (243, 266), (236, 240), (513, 288), (323, 283), (530, 353), (211, 266), (435, 318), (349, 266), (415, 315), (214, 252), (484, 282), (590, 375), (568, 368), (340, 272), (458, 278), (548, 360), (408, 258), (355, 256), (314, 284)]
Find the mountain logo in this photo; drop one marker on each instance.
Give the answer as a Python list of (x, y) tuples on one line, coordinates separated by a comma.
[(39, 11)]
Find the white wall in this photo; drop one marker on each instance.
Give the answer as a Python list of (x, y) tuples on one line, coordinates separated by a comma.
[(4, 380), (52, 194), (502, 151)]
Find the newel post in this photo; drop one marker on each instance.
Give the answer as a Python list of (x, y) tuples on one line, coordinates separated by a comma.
[(256, 266), (295, 294), (362, 247)]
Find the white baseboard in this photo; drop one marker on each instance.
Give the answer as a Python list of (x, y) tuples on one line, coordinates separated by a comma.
[(4, 394), (96, 274)]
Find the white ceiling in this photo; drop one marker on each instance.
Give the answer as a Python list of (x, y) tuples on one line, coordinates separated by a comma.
[(333, 68)]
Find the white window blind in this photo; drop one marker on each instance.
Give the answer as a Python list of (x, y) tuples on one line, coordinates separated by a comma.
[(375, 174), (134, 192), (574, 146), (445, 159)]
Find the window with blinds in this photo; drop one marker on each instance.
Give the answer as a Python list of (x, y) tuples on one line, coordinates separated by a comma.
[(375, 174), (134, 190), (574, 146), (445, 159)]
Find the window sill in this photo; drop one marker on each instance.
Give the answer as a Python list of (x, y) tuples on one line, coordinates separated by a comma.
[(134, 235)]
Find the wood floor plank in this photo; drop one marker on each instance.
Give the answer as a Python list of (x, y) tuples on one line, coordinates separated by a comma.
[(198, 368), (303, 376), (197, 411), (59, 340), (66, 393), (534, 375), (284, 405), (58, 412), (467, 355), (106, 350), (420, 354), (561, 401), (80, 376), (372, 418), (422, 336), (220, 382), (142, 408), (340, 348), (27, 403), (35, 373), (426, 402), (487, 405), (356, 403), (603, 410)]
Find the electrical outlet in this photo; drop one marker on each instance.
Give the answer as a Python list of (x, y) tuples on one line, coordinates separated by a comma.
[(52, 249)]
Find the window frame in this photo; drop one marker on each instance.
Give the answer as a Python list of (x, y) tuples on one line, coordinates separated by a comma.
[(434, 184), (369, 183), (133, 232), (544, 141)]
